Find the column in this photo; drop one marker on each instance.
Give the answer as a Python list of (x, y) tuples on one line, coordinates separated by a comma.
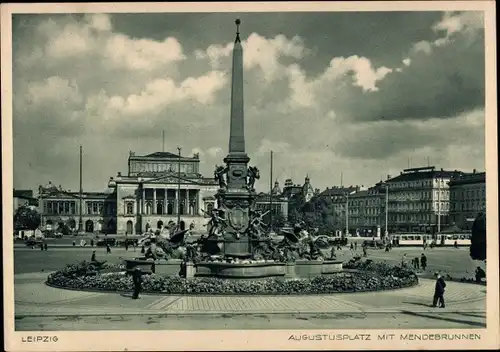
[(143, 203), (176, 203), (165, 203), (154, 201), (198, 202)]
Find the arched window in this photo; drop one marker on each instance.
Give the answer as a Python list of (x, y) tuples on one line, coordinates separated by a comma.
[(159, 208), (149, 208), (170, 208), (130, 227)]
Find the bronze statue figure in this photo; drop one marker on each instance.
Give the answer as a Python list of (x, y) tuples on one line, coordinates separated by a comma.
[(253, 174), (216, 223), (219, 175)]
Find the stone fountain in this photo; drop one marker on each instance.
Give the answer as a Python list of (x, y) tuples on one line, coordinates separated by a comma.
[(237, 244)]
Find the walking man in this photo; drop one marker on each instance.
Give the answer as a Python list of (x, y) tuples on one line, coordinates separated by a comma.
[(137, 279), (423, 261), (108, 248), (417, 266), (355, 246), (439, 291)]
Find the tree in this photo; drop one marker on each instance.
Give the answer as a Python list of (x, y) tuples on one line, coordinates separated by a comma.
[(26, 218), (478, 238)]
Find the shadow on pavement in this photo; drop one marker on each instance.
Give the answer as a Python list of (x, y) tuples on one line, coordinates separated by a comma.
[(475, 315), (437, 317), (419, 304)]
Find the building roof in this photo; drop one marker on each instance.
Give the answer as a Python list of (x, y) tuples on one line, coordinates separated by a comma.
[(422, 173), (23, 193), (363, 193), (337, 191), (162, 155), (464, 178)]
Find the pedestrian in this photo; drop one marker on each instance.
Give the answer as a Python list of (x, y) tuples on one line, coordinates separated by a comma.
[(355, 246), (480, 274), (423, 261), (439, 291), (137, 279), (74, 243), (143, 250), (92, 258), (416, 261), (45, 246), (352, 246), (126, 245), (41, 246), (455, 244), (108, 248), (364, 252), (92, 243), (403, 260), (133, 245)]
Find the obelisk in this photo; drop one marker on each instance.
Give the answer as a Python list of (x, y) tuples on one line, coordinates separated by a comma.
[(236, 199), (237, 126)]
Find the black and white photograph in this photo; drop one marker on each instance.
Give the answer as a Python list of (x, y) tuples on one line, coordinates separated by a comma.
[(324, 174)]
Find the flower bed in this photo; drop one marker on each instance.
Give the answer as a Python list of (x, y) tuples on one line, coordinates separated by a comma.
[(358, 281)]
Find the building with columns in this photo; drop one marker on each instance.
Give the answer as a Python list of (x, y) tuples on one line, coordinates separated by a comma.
[(151, 194), (154, 192)]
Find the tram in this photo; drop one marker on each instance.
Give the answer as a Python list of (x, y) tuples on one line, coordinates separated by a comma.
[(441, 239)]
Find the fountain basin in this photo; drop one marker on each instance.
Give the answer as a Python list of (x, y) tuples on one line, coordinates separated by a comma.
[(240, 270), (170, 267)]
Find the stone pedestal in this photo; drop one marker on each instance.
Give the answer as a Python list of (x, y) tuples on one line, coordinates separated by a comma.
[(190, 270)]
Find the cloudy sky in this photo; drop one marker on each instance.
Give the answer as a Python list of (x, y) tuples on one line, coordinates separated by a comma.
[(364, 94)]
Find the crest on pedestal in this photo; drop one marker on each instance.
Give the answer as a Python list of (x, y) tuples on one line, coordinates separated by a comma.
[(238, 219)]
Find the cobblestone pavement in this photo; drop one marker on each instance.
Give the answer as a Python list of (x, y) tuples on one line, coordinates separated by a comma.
[(34, 298)]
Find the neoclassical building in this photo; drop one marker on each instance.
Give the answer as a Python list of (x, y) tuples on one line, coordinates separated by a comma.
[(152, 193)]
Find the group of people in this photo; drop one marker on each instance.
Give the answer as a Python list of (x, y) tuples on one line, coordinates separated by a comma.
[(420, 262)]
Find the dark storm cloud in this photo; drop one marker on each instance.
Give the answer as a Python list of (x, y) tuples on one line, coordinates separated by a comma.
[(447, 82)]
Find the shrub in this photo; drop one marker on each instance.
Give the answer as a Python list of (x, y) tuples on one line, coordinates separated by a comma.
[(375, 277)]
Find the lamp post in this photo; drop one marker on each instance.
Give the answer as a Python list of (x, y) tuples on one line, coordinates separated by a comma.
[(179, 190), (347, 214), (386, 233)]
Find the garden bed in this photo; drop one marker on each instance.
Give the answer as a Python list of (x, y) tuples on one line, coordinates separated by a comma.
[(377, 278)]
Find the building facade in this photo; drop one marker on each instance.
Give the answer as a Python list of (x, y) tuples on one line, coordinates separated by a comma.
[(467, 198), (23, 197), (152, 194), (367, 210), (419, 200), (60, 207)]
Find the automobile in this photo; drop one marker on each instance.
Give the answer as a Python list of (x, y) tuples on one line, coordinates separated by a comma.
[(102, 242), (30, 242)]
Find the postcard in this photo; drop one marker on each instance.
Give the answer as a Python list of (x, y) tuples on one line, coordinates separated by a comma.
[(250, 176)]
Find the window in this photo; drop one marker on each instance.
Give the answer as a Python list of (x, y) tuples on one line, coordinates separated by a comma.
[(130, 208), (89, 207), (94, 208), (101, 206), (49, 207), (72, 209), (66, 207)]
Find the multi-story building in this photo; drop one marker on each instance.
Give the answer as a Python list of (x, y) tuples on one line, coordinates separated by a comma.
[(58, 207), (23, 197), (278, 203), (467, 198), (367, 210), (419, 199), (150, 195)]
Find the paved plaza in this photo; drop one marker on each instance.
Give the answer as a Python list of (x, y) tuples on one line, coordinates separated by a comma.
[(40, 307)]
